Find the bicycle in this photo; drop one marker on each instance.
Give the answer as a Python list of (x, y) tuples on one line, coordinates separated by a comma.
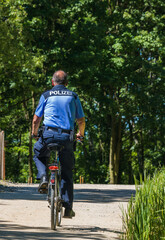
[(54, 187)]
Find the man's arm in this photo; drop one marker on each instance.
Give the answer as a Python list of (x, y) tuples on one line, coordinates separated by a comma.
[(35, 124), (81, 127)]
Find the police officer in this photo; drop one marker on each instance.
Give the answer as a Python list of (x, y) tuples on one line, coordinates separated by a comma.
[(60, 107)]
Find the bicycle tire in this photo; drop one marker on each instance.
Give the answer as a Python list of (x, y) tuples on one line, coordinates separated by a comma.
[(53, 207), (59, 208)]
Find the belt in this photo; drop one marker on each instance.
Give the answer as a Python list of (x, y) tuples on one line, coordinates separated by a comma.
[(57, 129)]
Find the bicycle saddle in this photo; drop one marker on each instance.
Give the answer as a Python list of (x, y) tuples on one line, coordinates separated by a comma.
[(54, 147)]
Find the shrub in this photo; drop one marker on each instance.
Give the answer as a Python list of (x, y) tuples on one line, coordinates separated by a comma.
[(145, 216)]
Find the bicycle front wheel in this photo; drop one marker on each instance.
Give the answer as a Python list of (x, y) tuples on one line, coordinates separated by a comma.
[(59, 216)]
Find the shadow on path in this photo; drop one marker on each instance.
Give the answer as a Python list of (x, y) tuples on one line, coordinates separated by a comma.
[(19, 232), (22, 193), (103, 195), (80, 195), (90, 229)]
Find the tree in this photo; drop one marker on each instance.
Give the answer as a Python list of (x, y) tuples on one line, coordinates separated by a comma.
[(19, 70)]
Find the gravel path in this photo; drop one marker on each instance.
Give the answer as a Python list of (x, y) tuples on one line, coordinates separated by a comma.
[(24, 213)]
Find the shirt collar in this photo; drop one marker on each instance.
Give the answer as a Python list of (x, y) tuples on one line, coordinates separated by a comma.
[(59, 87)]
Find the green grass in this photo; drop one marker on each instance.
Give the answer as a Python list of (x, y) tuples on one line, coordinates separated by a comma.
[(145, 216)]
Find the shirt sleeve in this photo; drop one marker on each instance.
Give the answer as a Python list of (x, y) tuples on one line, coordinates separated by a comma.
[(40, 108), (79, 109)]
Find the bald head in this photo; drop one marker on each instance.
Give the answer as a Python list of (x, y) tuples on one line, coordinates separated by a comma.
[(59, 78)]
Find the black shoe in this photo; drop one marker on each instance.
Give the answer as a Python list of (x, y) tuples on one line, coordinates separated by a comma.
[(43, 187), (69, 213)]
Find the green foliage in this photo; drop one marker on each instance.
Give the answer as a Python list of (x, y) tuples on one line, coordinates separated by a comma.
[(95, 168), (145, 218)]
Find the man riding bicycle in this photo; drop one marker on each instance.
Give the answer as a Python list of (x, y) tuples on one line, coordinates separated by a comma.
[(60, 107)]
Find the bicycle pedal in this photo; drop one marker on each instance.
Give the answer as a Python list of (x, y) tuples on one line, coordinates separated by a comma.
[(43, 191)]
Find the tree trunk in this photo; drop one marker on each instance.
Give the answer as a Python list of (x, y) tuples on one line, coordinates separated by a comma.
[(30, 180), (141, 164), (29, 120), (130, 158), (115, 147)]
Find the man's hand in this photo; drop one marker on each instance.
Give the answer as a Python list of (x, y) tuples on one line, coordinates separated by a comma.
[(79, 137), (35, 137), (81, 127)]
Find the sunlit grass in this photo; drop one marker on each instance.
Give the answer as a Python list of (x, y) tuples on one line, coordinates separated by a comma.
[(145, 216)]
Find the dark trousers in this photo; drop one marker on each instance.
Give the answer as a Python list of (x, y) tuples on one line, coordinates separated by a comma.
[(42, 154)]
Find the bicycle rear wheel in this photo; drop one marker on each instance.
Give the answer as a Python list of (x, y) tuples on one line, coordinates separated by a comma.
[(52, 208), (59, 208)]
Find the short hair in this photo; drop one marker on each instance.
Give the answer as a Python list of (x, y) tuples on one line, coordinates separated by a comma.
[(60, 77)]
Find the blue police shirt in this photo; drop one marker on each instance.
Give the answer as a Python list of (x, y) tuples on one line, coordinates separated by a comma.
[(60, 108)]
